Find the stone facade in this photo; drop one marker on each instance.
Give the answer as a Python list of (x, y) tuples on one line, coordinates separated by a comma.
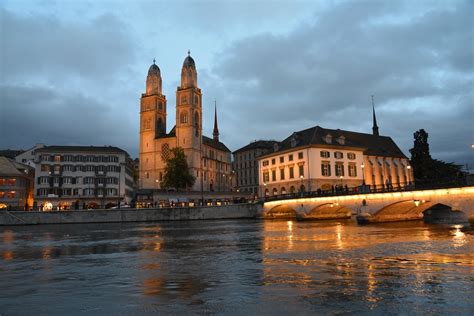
[(70, 177), (324, 159), (16, 185), (246, 166), (208, 159)]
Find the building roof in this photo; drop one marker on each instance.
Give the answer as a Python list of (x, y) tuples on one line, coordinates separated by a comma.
[(9, 167), (372, 145), (11, 153), (172, 133), (154, 70), (214, 144), (258, 144), (189, 62), (101, 149)]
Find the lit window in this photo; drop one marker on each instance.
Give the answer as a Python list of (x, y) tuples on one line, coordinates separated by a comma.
[(301, 170), (338, 155), (326, 169), (339, 169), (11, 194), (352, 170)]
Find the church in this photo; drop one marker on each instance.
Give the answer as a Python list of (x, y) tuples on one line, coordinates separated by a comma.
[(209, 160)]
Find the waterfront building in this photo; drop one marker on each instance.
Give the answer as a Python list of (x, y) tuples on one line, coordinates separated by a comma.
[(16, 185), (246, 166), (209, 160), (327, 159), (77, 177), (27, 157)]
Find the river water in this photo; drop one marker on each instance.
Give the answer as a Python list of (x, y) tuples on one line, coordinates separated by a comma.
[(237, 267)]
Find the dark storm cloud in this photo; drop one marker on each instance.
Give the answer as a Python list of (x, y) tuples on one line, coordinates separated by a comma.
[(418, 64), (45, 47), (42, 115), (63, 82)]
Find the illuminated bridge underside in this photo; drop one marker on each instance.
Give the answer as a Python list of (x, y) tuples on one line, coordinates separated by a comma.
[(404, 211), (379, 207), (324, 211)]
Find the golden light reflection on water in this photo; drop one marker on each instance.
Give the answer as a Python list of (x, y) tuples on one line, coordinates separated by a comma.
[(459, 237), (7, 255), (8, 237)]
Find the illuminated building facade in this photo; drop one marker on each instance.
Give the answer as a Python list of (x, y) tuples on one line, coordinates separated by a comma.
[(77, 177), (16, 185), (246, 165), (320, 158), (209, 160)]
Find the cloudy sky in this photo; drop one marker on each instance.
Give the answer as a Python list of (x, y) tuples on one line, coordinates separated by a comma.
[(71, 72)]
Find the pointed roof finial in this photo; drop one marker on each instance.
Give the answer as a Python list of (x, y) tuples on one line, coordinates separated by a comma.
[(154, 61), (189, 52), (215, 133), (375, 128)]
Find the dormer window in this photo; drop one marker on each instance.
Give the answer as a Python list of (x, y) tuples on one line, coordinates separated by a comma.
[(328, 139), (293, 142), (341, 140), (275, 147)]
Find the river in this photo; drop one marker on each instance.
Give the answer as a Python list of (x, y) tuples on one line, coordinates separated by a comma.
[(237, 267)]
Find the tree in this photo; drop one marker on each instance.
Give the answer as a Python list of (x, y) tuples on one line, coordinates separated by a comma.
[(427, 169), (177, 173)]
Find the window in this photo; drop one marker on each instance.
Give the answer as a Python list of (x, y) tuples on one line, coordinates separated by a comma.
[(351, 156), (301, 170), (324, 154), (274, 176), (45, 168), (292, 172), (352, 170), (184, 117), (266, 177), (265, 163), (325, 169), (11, 194), (44, 180), (300, 155), (273, 161), (338, 155), (67, 180), (282, 159), (282, 174), (290, 157), (2, 194), (339, 169)]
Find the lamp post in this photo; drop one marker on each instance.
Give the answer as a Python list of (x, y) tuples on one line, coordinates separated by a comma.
[(264, 193), (301, 186), (363, 175), (408, 175)]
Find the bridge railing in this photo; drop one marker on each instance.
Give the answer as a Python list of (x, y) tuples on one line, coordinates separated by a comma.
[(364, 189)]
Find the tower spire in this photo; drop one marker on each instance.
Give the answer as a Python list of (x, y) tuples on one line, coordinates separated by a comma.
[(215, 133), (375, 128)]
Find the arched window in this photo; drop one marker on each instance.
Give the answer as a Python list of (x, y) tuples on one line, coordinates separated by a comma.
[(275, 191), (292, 189), (267, 193), (196, 123), (159, 127), (283, 190), (183, 117)]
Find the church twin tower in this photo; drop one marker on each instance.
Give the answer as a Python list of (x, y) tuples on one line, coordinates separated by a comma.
[(155, 142)]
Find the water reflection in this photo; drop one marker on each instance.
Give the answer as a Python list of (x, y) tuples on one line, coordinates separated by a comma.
[(231, 267)]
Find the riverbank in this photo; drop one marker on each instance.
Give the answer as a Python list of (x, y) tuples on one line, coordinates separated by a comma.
[(234, 211)]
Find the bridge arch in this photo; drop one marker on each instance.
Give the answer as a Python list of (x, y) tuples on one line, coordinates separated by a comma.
[(281, 211), (408, 209), (329, 211)]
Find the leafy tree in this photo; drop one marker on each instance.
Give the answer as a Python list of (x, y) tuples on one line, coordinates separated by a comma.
[(427, 169), (177, 173)]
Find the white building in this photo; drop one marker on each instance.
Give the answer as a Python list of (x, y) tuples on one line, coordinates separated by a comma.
[(76, 177), (28, 156), (324, 159)]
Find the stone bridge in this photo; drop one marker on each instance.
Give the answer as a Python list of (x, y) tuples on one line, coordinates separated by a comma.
[(378, 207)]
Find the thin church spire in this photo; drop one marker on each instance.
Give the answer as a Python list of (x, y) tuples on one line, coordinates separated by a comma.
[(215, 133), (375, 128)]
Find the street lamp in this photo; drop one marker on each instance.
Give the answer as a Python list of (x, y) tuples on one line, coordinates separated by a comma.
[(363, 175), (408, 174), (301, 187)]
